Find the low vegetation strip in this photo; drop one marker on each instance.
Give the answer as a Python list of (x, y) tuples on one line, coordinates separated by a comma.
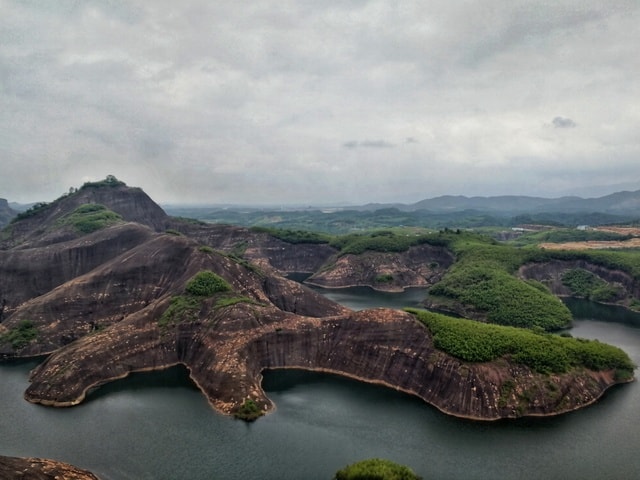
[(473, 341)]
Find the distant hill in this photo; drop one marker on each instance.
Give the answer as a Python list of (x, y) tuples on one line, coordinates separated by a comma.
[(620, 203)]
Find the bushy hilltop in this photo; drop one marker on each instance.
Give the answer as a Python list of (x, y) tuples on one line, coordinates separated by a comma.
[(105, 283), (91, 207)]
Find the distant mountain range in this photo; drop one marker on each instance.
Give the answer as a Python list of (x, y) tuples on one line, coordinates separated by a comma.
[(619, 203)]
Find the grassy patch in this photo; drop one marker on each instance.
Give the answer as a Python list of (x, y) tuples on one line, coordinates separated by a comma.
[(229, 301), (21, 335), (473, 341), (186, 308), (183, 308), (206, 283), (90, 217)]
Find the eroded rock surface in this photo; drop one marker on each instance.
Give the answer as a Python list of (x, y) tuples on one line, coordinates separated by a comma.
[(419, 266), (15, 468), (96, 304), (226, 352)]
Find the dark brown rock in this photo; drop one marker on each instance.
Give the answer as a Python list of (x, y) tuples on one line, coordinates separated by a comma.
[(226, 352), (14, 468), (419, 266)]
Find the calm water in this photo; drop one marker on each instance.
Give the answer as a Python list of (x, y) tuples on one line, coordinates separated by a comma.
[(158, 426)]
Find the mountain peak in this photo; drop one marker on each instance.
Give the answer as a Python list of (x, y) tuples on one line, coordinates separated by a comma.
[(129, 204)]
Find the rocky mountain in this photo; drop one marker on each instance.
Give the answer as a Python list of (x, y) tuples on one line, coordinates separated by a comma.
[(6, 212), (104, 283)]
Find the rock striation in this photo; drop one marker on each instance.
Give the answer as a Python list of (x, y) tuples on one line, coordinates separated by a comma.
[(419, 266), (97, 305)]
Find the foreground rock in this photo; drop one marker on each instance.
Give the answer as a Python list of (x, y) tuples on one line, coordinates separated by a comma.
[(14, 468), (227, 351)]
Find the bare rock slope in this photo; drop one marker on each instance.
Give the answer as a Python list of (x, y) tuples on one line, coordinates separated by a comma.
[(115, 301), (14, 468)]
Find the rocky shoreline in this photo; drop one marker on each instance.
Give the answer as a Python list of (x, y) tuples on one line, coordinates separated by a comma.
[(18, 468)]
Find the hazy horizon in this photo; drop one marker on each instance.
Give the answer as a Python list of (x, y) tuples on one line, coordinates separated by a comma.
[(306, 205), (320, 103)]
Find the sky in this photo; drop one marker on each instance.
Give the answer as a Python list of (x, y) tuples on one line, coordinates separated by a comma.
[(317, 102)]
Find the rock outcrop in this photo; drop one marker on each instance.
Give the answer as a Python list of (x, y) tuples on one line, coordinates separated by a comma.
[(40, 227), (15, 468), (550, 273), (98, 305), (419, 266), (227, 351), (6, 212)]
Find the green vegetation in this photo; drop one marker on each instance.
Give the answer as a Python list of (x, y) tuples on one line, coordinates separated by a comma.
[(183, 308), (562, 235), (21, 335), (473, 341), (171, 231), (206, 283), (382, 241), (90, 217), (206, 249), (376, 469), (229, 301), (340, 221), (187, 307), (483, 278), (294, 236), (109, 181), (384, 278), (585, 284), (248, 411), (202, 286), (32, 211)]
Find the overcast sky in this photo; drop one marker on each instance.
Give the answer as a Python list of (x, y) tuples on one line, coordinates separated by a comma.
[(317, 101)]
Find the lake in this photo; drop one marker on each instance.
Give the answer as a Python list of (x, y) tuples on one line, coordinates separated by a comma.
[(159, 426)]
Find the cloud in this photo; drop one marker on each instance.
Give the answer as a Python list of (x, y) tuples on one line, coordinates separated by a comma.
[(201, 101), (368, 144), (561, 122)]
